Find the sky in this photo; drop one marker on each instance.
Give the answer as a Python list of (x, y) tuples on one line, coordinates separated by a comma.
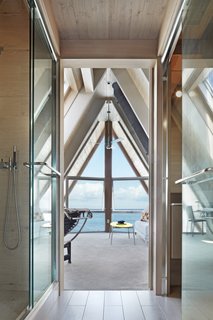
[(126, 194)]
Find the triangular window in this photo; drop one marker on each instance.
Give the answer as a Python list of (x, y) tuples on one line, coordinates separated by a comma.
[(120, 165), (127, 194), (95, 165)]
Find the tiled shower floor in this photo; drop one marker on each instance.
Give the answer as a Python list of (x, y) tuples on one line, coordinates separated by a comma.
[(12, 303)]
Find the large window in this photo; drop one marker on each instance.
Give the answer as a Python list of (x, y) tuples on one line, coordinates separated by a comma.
[(109, 176), (129, 195), (129, 200), (86, 194)]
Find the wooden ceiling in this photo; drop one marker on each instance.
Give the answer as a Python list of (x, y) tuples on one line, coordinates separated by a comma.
[(109, 19), (110, 29)]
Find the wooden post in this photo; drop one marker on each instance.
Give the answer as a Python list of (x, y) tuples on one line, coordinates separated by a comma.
[(158, 182), (108, 175)]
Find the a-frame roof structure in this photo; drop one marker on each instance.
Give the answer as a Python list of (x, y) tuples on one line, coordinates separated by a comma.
[(96, 91)]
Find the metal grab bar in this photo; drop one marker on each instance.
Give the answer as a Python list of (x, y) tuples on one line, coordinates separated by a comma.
[(198, 173), (176, 204), (56, 173)]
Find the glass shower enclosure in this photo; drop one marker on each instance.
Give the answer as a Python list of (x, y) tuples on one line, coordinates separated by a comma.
[(42, 162), (197, 162), (28, 175)]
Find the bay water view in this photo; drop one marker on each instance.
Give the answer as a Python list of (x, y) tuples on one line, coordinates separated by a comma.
[(97, 223), (128, 195)]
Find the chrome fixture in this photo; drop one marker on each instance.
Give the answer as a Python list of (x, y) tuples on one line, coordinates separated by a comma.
[(12, 212), (54, 173), (192, 178), (11, 163), (4, 165)]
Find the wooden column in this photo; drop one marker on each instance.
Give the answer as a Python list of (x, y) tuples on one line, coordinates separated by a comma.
[(158, 182), (108, 175), (61, 180)]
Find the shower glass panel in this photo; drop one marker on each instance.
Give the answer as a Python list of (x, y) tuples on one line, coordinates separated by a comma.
[(197, 162), (14, 150), (42, 161)]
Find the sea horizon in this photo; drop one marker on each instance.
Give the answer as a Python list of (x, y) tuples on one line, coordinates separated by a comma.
[(97, 222)]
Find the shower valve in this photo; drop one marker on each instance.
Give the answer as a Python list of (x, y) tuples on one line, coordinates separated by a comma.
[(4, 165), (8, 164), (11, 164)]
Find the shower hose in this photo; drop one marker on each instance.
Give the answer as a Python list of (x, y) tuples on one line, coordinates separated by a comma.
[(12, 213)]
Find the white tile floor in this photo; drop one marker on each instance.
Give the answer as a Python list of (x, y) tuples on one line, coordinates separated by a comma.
[(112, 305)]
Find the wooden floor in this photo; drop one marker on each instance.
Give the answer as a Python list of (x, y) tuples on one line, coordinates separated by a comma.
[(112, 305)]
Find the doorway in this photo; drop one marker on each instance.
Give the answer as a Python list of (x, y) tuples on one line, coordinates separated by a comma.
[(107, 171)]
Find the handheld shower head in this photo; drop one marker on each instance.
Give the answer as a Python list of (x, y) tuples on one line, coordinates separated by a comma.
[(14, 164)]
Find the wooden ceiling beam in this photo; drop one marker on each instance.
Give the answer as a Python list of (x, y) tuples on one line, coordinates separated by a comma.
[(69, 99), (81, 169), (81, 127), (88, 79), (73, 78), (141, 82), (109, 63), (108, 49), (133, 96)]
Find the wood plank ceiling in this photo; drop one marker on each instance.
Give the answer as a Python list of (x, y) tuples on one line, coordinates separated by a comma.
[(109, 19), (108, 28)]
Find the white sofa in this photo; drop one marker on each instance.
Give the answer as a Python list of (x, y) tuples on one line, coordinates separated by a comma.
[(142, 230)]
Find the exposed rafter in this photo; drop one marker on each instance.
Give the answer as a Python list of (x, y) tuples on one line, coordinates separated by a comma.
[(73, 78), (133, 96), (79, 170), (88, 79), (87, 107), (68, 100), (82, 127), (141, 82)]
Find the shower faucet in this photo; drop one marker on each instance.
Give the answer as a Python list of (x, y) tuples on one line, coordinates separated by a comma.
[(4, 165), (11, 164)]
